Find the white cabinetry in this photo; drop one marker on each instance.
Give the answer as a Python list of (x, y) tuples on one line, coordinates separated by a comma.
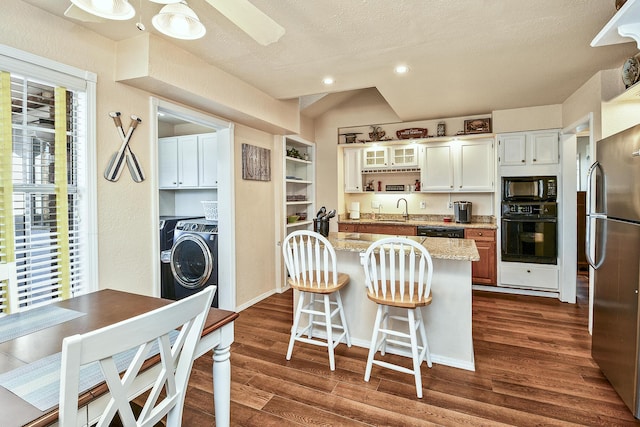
[(529, 276), (299, 182), (375, 157), (352, 170), (187, 161), (404, 156), (437, 173), (208, 160), (458, 166), (529, 148)]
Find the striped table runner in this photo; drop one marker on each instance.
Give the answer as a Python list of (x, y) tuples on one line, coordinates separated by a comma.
[(27, 322)]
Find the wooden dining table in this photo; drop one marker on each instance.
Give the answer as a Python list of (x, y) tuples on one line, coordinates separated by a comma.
[(99, 309)]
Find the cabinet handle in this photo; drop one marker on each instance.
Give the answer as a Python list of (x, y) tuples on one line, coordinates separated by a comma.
[(480, 234), (451, 186), (534, 160), (460, 186), (522, 160), (528, 271)]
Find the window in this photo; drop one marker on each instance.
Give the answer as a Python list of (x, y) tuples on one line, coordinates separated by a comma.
[(44, 205)]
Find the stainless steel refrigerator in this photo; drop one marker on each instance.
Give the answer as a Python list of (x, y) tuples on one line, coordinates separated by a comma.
[(615, 221)]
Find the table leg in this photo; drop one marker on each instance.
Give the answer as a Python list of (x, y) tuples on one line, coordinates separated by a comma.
[(222, 385)]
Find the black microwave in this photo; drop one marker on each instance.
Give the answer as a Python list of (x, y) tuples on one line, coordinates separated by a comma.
[(529, 188)]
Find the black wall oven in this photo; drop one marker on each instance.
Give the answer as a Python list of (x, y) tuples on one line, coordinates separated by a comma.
[(529, 232)]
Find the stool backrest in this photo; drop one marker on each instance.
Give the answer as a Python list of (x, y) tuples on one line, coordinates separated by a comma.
[(398, 260), (310, 259)]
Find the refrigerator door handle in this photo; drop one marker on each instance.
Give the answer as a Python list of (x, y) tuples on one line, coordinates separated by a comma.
[(594, 216)]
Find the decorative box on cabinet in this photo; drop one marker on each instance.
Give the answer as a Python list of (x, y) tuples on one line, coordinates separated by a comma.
[(299, 183), (483, 271)]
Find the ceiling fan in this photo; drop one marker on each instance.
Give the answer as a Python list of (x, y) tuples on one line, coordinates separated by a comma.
[(177, 20)]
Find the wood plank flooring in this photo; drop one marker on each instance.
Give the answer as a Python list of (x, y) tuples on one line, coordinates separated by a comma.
[(533, 367)]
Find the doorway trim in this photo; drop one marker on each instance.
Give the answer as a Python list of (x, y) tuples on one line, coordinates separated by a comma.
[(569, 150), (226, 194)]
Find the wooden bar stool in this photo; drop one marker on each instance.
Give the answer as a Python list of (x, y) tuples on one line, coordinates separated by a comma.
[(398, 274), (311, 262)]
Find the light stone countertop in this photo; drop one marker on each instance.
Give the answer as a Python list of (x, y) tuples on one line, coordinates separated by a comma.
[(438, 247), (415, 220)]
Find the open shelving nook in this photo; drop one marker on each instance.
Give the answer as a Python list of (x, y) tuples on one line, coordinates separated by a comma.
[(299, 183)]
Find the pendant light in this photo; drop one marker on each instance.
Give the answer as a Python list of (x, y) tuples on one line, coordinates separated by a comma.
[(177, 20), (119, 10)]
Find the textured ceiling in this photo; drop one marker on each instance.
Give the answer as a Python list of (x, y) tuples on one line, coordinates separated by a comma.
[(465, 56)]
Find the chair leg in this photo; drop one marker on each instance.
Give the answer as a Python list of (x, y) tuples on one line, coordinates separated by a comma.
[(414, 351), (385, 327), (423, 335), (312, 305), (294, 328), (343, 319), (327, 315), (373, 344)]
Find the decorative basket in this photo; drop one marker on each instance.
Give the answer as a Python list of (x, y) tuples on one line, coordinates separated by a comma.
[(210, 209)]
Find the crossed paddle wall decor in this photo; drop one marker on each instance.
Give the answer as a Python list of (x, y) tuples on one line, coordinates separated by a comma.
[(124, 154)]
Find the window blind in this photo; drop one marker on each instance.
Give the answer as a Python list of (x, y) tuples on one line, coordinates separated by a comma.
[(41, 223)]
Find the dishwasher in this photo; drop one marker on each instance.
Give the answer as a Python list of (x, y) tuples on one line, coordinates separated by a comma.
[(435, 231)]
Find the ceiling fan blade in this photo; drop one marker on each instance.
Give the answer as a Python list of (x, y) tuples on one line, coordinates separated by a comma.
[(74, 12), (250, 19)]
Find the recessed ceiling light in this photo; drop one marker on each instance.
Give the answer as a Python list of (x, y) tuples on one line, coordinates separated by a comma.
[(328, 80), (401, 69)]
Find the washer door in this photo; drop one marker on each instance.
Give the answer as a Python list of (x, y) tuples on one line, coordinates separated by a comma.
[(191, 261)]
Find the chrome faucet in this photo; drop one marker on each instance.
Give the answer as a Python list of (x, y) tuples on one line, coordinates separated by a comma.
[(406, 207)]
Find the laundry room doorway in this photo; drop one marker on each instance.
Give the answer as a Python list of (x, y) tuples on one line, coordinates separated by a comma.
[(200, 168)]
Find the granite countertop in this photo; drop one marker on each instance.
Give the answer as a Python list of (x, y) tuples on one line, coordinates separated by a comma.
[(419, 221), (438, 247)]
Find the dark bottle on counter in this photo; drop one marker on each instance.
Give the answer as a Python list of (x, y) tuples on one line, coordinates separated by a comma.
[(417, 185)]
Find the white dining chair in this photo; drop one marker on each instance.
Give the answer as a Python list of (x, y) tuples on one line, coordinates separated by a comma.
[(398, 275), (139, 333), (311, 262)]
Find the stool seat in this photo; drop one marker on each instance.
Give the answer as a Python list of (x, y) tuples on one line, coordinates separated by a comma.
[(320, 287), (396, 299), (311, 263)]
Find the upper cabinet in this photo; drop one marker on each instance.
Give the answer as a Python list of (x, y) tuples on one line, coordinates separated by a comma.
[(208, 160), (529, 148), (352, 170), (458, 166), (188, 161), (404, 156), (375, 157)]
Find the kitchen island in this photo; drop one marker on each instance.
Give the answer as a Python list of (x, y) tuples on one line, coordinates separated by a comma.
[(448, 318)]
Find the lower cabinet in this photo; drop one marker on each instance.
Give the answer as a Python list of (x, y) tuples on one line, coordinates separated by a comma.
[(529, 276), (483, 272), (393, 229)]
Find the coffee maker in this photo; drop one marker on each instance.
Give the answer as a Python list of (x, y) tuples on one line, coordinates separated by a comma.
[(462, 211)]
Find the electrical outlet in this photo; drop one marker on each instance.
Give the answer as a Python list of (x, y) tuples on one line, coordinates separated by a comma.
[(375, 204), (423, 205), (450, 205)]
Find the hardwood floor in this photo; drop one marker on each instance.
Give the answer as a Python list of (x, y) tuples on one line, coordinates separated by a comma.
[(533, 367)]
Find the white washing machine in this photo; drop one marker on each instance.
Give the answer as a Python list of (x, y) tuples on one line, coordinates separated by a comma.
[(194, 257)]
